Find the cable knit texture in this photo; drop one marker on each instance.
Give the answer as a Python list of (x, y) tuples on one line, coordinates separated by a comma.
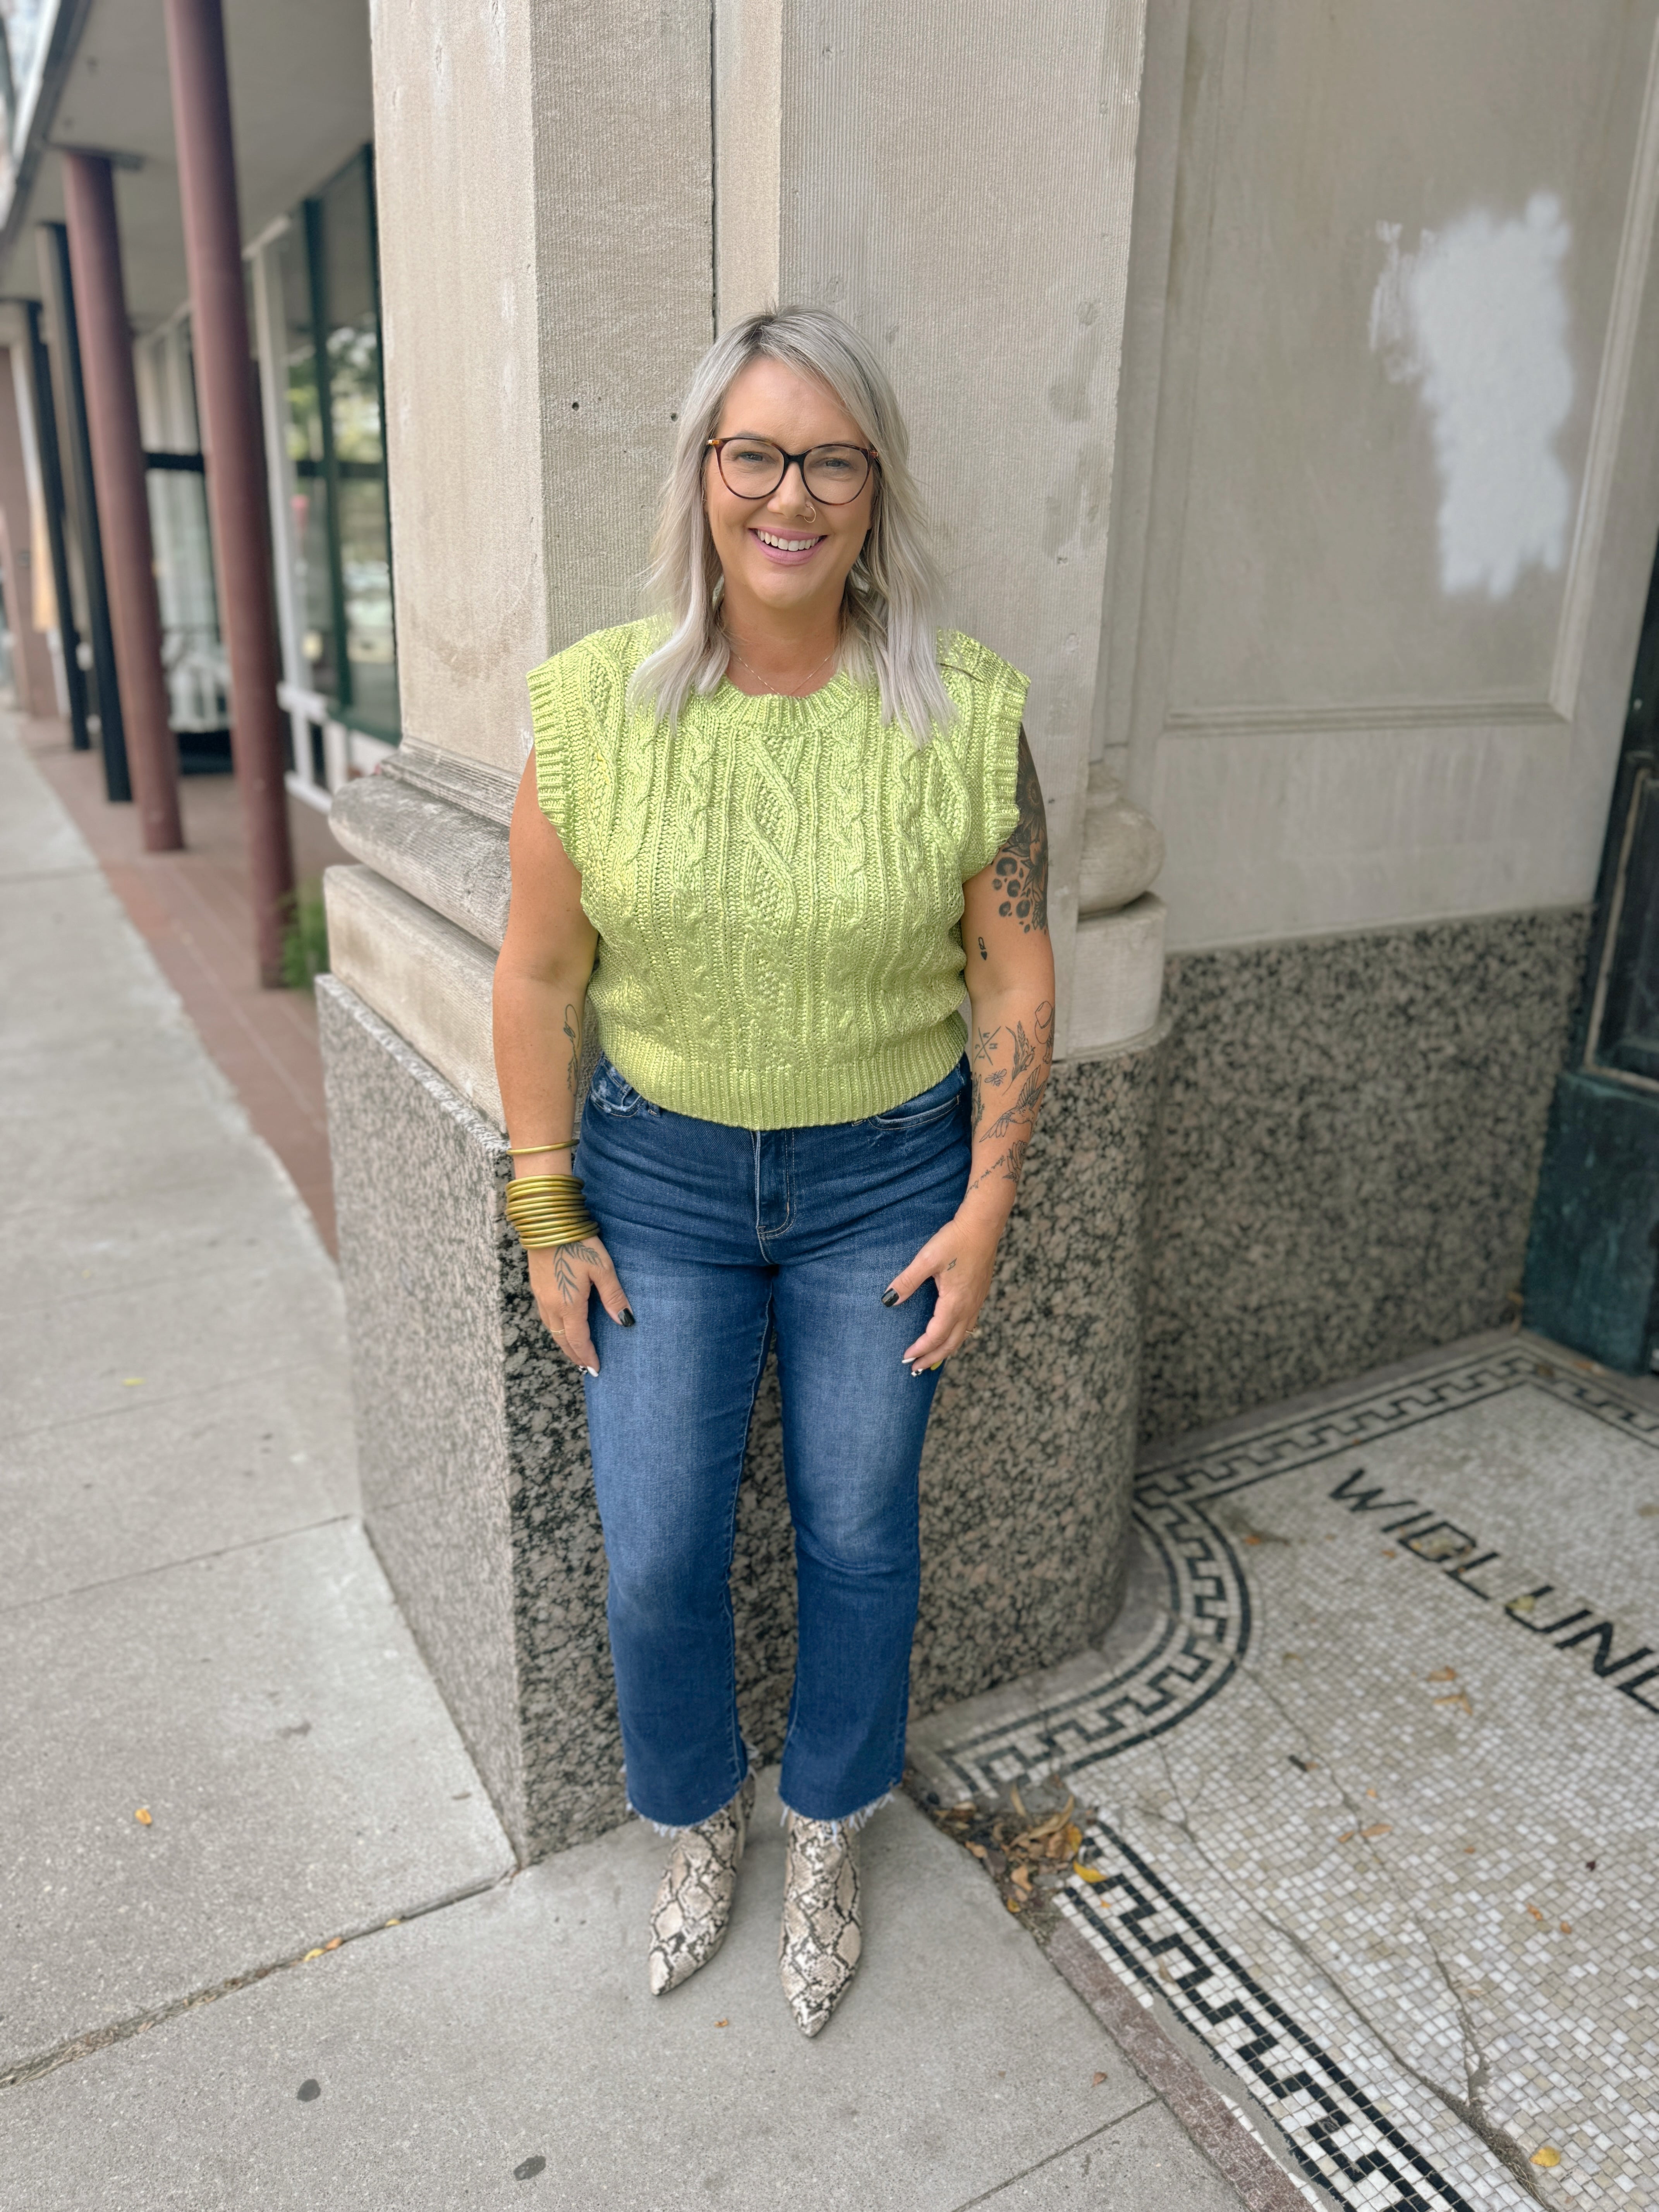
[(777, 883)]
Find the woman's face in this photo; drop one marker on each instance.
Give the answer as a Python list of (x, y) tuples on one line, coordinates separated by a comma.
[(789, 552)]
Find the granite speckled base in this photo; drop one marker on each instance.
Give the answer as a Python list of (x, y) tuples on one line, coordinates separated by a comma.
[(478, 1493), (1352, 1136)]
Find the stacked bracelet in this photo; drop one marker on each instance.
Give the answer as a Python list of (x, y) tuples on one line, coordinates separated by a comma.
[(549, 1210)]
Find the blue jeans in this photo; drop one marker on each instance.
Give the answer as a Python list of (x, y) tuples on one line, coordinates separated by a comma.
[(725, 1239)]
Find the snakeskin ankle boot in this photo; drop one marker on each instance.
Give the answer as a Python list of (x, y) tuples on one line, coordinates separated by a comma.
[(819, 1944), (694, 1903)]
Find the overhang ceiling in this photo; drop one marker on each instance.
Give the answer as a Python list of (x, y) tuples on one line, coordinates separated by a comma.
[(301, 105)]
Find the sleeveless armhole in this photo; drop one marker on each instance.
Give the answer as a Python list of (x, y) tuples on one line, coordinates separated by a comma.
[(995, 711), (555, 716)]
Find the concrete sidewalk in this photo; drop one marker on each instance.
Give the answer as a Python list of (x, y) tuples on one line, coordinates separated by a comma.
[(194, 1628)]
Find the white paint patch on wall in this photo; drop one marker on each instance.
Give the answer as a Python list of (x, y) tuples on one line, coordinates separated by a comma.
[(1477, 319)]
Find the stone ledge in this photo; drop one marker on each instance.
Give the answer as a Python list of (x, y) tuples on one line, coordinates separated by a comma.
[(437, 829)]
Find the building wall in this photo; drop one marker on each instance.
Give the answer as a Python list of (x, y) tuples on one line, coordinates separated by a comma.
[(1351, 1138), (1372, 646), (1388, 486)]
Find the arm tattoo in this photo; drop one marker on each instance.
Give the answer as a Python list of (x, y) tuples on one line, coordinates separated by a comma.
[(573, 1029), (1022, 865), (1021, 1059)]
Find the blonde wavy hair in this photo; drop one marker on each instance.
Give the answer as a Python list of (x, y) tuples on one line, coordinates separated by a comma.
[(889, 612)]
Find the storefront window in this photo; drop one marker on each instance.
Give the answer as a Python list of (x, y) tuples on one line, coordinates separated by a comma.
[(339, 537)]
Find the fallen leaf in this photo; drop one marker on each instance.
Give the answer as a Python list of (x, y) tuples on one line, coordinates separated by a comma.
[(1019, 1802), (978, 1850), (317, 1953), (1347, 1835), (1021, 1878), (1290, 1658), (1096, 2083), (1442, 1674), (144, 1817), (1086, 1874), (1566, 1927), (1535, 1913), (395, 1920), (1389, 1553), (334, 1943), (1381, 1828), (1372, 1794), (1013, 1903), (722, 2023), (1546, 2154), (1457, 1697), (133, 1381), (1254, 1539), (1590, 1866)]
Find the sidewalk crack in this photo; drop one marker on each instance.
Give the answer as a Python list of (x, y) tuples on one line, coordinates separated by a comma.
[(1469, 2107)]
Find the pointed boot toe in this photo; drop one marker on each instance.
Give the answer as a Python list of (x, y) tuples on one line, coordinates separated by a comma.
[(693, 1908), (822, 1937)]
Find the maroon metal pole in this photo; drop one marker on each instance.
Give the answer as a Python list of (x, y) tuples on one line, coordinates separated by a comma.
[(117, 467), (230, 441)]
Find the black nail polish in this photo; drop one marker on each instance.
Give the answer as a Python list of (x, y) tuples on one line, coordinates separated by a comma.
[(627, 1317), (890, 1297)]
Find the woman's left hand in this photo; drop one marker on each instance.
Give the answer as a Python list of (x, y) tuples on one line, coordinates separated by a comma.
[(960, 1260)]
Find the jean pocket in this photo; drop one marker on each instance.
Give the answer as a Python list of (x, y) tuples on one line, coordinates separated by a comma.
[(612, 1093), (927, 1107)]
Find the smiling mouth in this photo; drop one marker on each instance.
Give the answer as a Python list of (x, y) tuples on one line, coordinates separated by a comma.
[(781, 545)]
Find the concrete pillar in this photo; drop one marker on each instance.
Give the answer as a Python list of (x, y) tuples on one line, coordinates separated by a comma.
[(546, 291), (31, 658), (118, 461), (230, 442)]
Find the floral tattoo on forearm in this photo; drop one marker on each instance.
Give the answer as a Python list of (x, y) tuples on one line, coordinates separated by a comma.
[(1010, 1067)]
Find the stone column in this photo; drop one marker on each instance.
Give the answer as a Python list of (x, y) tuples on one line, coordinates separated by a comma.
[(539, 326)]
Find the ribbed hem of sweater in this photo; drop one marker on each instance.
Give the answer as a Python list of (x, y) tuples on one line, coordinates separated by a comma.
[(788, 1097)]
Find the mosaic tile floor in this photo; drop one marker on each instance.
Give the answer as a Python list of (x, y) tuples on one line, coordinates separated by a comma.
[(1372, 1762)]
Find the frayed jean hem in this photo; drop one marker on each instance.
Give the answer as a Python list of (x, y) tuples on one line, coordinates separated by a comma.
[(849, 1823)]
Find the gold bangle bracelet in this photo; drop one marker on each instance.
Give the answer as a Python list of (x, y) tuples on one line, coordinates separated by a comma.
[(541, 1240), (522, 1152)]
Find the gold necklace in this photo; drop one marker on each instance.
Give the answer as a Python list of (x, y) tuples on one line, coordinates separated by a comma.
[(800, 691)]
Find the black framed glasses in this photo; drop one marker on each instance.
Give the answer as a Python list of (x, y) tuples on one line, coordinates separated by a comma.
[(753, 468)]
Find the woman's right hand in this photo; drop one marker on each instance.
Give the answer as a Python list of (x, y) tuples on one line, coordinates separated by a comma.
[(563, 1276)]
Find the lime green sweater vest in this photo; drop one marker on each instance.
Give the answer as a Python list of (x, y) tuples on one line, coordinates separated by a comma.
[(776, 883)]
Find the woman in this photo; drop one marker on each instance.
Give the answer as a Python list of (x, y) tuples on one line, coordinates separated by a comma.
[(765, 843)]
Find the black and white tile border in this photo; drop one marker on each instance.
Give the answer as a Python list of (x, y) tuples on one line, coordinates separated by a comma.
[(1156, 1943)]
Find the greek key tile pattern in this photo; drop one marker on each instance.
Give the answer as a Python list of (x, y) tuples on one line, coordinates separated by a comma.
[(1357, 2153), (1372, 1777), (1200, 1635)]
